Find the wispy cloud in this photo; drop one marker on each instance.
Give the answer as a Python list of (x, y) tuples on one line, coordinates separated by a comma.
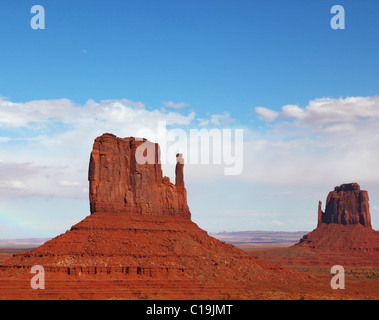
[(327, 111), (266, 114), (175, 105), (217, 120)]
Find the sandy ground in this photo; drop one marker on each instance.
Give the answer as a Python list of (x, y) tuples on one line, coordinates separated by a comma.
[(252, 247), (361, 281), (5, 256)]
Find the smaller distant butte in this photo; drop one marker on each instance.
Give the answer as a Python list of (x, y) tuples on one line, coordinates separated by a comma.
[(347, 204)]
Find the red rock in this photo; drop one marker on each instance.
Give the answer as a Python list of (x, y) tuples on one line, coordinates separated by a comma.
[(347, 204), (343, 236), (119, 184), (344, 232)]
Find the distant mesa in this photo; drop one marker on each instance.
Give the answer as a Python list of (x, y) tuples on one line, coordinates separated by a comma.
[(347, 204), (345, 226), (344, 235)]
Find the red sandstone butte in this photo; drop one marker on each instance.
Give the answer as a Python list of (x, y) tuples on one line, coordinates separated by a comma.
[(344, 231), (343, 236), (119, 183), (347, 204)]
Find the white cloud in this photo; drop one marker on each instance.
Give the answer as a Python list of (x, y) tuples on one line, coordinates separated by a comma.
[(171, 104), (12, 185), (217, 120), (266, 114), (66, 183), (331, 141), (18, 180), (293, 111), (276, 223), (328, 110), (22, 114)]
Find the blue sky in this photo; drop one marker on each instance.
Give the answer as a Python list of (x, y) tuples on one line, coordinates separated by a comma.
[(214, 55), (305, 94)]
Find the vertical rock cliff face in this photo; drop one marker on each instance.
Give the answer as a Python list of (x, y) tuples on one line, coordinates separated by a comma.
[(347, 204), (125, 176)]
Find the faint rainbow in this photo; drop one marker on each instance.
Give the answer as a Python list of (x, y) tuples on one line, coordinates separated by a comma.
[(10, 216)]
